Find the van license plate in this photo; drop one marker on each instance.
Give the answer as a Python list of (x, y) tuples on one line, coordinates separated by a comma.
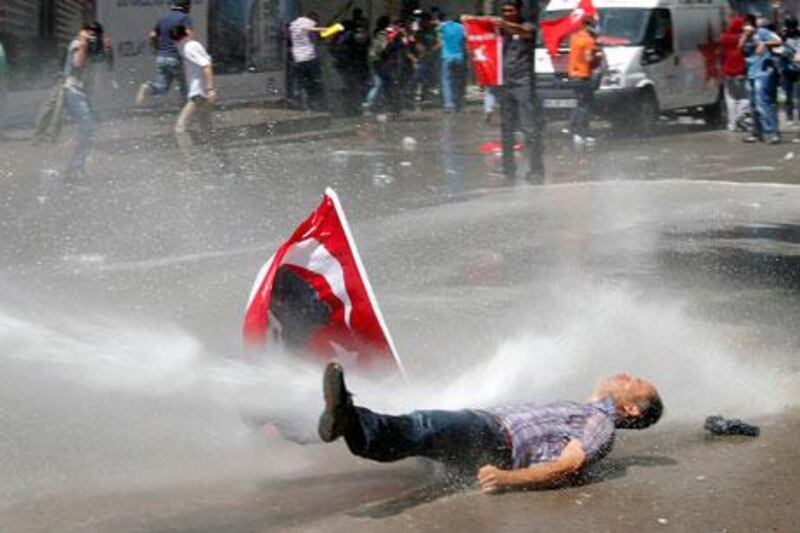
[(560, 103)]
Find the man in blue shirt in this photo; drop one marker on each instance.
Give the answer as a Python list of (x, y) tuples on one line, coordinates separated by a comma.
[(518, 446), (757, 44), (169, 67), (453, 38)]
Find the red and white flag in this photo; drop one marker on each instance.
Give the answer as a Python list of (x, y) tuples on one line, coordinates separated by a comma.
[(485, 47), (313, 297), (555, 31)]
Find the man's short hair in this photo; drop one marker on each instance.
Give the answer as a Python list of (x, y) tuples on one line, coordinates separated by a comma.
[(313, 15), (178, 32), (514, 3), (650, 410), (182, 5)]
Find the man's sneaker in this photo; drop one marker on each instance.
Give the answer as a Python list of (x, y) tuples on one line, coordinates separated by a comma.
[(142, 94), (717, 425), (775, 139), (338, 405), (751, 139)]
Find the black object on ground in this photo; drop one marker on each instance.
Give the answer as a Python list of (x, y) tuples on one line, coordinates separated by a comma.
[(733, 426)]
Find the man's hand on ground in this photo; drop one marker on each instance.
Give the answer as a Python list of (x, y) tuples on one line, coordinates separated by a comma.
[(491, 479)]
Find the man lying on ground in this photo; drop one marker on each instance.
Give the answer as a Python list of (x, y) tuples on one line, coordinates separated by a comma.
[(522, 446)]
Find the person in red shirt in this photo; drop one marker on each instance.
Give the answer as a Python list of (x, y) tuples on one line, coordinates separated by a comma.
[(734, 71)]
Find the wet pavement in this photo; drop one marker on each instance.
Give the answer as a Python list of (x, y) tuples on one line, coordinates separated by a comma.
[(674, 256)]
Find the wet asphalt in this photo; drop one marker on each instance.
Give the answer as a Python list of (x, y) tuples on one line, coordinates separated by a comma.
[(674, 256)]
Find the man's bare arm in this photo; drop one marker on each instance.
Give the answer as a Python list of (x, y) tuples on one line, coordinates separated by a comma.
[(543, 475), (514, 27), (518, 28), (208, 74)]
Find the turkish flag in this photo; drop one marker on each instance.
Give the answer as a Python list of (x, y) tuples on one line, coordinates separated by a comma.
[(555, 31), (313, 298), (485, 47)]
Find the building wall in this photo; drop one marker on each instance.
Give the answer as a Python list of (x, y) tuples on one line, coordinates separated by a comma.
[(36, 33)]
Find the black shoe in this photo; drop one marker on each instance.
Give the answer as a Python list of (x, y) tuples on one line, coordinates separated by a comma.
[(534, 178), (720, 426), (338, 405)]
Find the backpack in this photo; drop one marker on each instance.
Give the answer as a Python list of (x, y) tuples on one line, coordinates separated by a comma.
[(789, 58)]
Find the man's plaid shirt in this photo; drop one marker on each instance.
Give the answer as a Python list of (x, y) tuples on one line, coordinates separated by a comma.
[(540, 433)]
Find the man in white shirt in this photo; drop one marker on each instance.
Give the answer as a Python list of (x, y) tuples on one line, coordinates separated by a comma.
[(201, 93), (306, 60)]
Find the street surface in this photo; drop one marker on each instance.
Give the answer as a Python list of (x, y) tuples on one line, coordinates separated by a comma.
[(121, 298)]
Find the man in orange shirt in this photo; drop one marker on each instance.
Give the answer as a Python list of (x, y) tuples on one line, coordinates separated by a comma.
[(584, 55)]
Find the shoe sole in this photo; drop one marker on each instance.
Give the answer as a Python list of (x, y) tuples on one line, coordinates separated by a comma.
[(332, 385)]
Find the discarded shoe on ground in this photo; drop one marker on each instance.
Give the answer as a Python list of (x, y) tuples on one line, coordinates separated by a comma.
[(733, 426)]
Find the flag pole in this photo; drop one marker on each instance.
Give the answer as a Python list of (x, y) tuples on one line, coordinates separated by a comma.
[(330, 193)]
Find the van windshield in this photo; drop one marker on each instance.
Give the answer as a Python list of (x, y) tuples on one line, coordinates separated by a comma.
[(618, 26)]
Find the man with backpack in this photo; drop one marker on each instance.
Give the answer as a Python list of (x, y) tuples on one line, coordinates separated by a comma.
[(385, 61)]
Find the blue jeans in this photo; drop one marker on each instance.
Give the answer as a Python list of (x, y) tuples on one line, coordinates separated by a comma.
[(374, 92), (763, 101), (788, 81), (168, 69), (489, 99), (452, 83), (78, 108), (466, 438), (579, 121)]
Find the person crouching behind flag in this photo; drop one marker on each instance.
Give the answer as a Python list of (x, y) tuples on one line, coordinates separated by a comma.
[(584, 57)]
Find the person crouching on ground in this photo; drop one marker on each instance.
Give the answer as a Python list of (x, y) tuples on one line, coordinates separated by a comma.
[(584, 56), (519, 446)]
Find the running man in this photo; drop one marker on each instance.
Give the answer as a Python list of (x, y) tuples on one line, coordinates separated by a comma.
[(169, 67)]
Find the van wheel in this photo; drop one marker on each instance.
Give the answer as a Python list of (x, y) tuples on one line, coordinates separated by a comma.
[(641, 117), (714, 114)]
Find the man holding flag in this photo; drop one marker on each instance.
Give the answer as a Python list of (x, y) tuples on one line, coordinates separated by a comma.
[(518, 102)]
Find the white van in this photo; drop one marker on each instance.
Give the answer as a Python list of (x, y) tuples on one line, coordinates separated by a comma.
[(661, 56)]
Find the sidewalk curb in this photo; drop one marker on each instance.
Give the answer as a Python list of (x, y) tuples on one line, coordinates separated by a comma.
[(266, 131)]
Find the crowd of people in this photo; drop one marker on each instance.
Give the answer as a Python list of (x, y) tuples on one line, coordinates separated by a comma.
[(399, 64), (395, 66), (758, 59)]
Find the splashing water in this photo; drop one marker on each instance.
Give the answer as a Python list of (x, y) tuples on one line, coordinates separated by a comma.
[(599, 331)]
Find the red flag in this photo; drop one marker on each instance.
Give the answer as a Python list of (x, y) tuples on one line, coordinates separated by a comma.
[(485, 47), (313, 297), (555, 31)]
